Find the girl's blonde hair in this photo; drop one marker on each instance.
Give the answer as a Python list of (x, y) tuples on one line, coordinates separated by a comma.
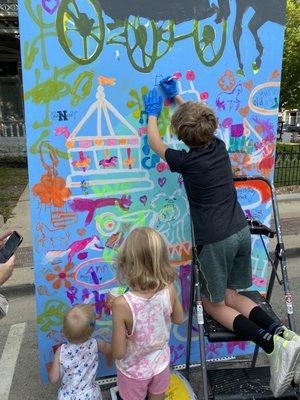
[(79, 323), (143, 261)]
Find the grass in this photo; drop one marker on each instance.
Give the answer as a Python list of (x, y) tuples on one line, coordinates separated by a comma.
[(287, 167), (13, 180)]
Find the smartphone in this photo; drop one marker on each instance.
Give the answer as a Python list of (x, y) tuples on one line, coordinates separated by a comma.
[(10, 246)]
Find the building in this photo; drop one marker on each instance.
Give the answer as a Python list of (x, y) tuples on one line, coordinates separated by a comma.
[(11, 104)]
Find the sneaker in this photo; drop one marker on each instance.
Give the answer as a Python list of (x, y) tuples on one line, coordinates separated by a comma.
[(290, 335), (283, 361)]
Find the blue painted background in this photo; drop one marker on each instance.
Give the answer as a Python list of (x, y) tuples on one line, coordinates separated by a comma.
[(73, 255)]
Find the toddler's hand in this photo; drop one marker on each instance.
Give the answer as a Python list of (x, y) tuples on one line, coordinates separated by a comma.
[(109, 359), (169, 87), (48, 367), (153, 103)]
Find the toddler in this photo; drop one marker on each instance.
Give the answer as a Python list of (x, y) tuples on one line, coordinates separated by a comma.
[(76, 362)]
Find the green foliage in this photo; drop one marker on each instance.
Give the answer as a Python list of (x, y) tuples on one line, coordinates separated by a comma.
[(137, 101), (290, 82)]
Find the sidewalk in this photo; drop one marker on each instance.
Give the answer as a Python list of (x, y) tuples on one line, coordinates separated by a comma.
[(23, 276), (289, 208)]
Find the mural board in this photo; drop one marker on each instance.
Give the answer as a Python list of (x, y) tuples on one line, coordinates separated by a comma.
[(93, 177)]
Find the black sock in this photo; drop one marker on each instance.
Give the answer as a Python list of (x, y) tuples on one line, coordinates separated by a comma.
[(248, 330), (262, 319)]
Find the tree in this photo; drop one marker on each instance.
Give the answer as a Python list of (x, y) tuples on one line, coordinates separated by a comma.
[(290, 81)]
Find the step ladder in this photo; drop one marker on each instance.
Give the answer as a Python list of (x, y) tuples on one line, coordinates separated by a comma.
[(241, 383)]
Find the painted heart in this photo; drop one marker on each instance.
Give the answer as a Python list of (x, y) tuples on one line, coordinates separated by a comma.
[(244, 111), (248, 85), (162, 181), (50, 6), (143, 199)]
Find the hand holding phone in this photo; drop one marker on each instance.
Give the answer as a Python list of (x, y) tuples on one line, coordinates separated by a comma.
[(9, 246)]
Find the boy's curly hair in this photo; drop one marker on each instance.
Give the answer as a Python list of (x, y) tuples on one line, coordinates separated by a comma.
[(194, 123)]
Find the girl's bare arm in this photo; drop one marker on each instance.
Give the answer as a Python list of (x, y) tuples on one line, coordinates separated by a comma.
[(118, 342), (177, 315)]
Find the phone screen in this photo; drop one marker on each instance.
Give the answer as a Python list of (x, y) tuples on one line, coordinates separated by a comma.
[(10, 246)]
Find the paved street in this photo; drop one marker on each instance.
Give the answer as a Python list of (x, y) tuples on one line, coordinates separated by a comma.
[(18, 329), (25, 373)]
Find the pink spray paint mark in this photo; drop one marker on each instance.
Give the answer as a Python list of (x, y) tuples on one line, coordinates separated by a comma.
[(236, 130), (231, 346), (62, 130), (89, 205), (177, 75), (128, 156), (227, 123), (190, 75), (204, 96), (82, 256)]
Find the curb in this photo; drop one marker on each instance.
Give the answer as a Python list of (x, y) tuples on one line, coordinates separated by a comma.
[(288, 197), (21, 290)]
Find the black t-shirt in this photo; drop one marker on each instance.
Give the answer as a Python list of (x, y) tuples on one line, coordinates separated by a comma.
[(208, 181)]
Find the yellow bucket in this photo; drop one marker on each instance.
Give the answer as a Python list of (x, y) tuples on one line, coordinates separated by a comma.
[(179, 389)]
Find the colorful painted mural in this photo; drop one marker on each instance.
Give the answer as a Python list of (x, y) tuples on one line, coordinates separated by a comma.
[(93, 177)]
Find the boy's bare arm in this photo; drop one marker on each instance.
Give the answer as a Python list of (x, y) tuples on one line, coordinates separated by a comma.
[(179, 100), (154, 139)]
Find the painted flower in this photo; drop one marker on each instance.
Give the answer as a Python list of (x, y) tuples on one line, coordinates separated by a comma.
[(204, 96), (227, 122), (241, 163), (177, 75), (52, 190), (61, 276), (190, 75)]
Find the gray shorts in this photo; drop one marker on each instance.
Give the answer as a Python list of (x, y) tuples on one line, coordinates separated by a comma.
[(226, 265)]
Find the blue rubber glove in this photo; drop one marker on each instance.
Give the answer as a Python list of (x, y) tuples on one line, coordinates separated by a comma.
[(153, 103), (169, 87)]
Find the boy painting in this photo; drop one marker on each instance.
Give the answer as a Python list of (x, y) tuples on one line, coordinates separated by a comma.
[(221, 231)]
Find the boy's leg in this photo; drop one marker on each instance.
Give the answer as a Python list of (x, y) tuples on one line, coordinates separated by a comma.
[(239, 324), (283, 354), (241, 303), (253, 311), (220, 312), (240, 276)]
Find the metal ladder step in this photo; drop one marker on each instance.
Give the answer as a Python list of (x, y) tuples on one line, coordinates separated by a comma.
[(217, 333), (244, 384)]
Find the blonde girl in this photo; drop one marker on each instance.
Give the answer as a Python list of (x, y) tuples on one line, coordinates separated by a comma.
[(142, 316), (76, 362)]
